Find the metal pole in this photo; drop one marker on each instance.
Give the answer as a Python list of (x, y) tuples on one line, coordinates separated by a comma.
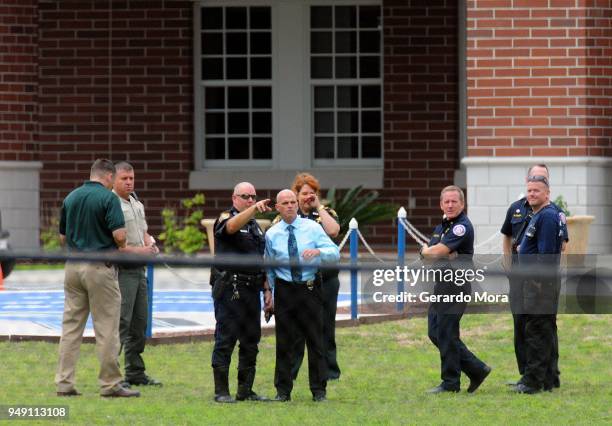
[(401, 251), (353, 225), (150, 276)]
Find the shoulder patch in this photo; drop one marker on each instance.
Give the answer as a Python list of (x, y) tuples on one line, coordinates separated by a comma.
[(563, 218), (332, 212), (224, 216), (459, 230)]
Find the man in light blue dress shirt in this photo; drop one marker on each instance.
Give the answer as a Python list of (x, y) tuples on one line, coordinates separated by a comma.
[(297, 297)]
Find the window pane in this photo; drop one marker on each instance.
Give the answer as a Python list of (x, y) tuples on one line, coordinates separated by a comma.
[(214, 98), (238, 122), (215, 148), (261, 44), (235, 18), (321, 67), (212, 18), (236, 43), (262, 148), (215, 123), (236, 68), (262, 122), (321, 17), (324, 147), (348, 122), (348, 97), (370, 121), (324, 97), (348, 147), (369, 42), (369, 67), (261, 68), (212, 44), (370, 96), (262, 97), (212, 69), (345, 17), (260, 18), (238, 148), (346, 42), (238, 97), (346, 67), (370, 147), (369, 16), (321, 42), (324, 122)]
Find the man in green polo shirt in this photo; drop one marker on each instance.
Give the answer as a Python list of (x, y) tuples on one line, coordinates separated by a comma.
[(133, 280), (91, 220)]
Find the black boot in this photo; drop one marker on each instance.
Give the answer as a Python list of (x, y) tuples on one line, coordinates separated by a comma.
[(246, 377), (221, 376)]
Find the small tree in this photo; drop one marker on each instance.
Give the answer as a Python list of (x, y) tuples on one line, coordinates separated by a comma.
[(185, 237)]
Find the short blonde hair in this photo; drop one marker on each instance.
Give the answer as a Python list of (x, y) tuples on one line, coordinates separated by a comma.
[(453, 188)]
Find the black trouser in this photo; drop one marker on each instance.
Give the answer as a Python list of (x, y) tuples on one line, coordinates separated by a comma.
[(237, 320), (539, 348), (133, 321), (330, 288), (519, 317), (443, 331), (298, 308)]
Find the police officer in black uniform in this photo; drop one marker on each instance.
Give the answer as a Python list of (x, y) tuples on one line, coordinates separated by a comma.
[(513, 229), (236, 294), (538, 260), (452, 245)]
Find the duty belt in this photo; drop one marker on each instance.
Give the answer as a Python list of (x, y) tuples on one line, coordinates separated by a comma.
[(244, 278)]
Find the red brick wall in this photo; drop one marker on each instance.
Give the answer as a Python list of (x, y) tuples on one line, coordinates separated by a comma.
[(18, 79), (539, 77), (118, 83), (421, 106)]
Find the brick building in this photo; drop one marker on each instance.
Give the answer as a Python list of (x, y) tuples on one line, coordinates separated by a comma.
[(404, 96)]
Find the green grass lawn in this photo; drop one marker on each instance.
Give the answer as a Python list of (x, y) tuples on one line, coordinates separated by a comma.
[(386, 369)]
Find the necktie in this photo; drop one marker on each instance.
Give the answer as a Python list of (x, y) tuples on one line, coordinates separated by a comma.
[(296, 275)]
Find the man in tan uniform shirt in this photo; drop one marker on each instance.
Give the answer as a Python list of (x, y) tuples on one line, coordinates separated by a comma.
[(132, 279)]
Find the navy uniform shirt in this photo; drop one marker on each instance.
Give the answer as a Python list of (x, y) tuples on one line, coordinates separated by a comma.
[(518, 213), (248, 240), (458, 235), (544, 233)]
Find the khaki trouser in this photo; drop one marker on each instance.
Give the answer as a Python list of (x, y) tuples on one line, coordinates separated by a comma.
[(90, 287)]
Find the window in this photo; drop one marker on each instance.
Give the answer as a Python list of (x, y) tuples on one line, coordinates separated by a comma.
[(286, 85), (236, 78), (345, 46)]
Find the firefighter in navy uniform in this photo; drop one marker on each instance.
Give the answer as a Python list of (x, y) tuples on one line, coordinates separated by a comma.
[(513, 229), (452, 243), (236, 294), (539, 257)]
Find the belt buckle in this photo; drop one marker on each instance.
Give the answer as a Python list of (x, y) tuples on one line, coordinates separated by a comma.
[(310, 284)]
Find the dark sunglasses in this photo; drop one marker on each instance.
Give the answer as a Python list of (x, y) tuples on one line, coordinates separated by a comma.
[(247, 196), (538, 179)]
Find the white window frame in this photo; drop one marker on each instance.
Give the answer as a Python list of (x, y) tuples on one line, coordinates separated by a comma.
[(292, 121)]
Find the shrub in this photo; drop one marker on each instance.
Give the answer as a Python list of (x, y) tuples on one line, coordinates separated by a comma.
[(184, 234)]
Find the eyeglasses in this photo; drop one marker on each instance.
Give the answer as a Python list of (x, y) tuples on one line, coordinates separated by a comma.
[(245, 197), (538, 178)]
